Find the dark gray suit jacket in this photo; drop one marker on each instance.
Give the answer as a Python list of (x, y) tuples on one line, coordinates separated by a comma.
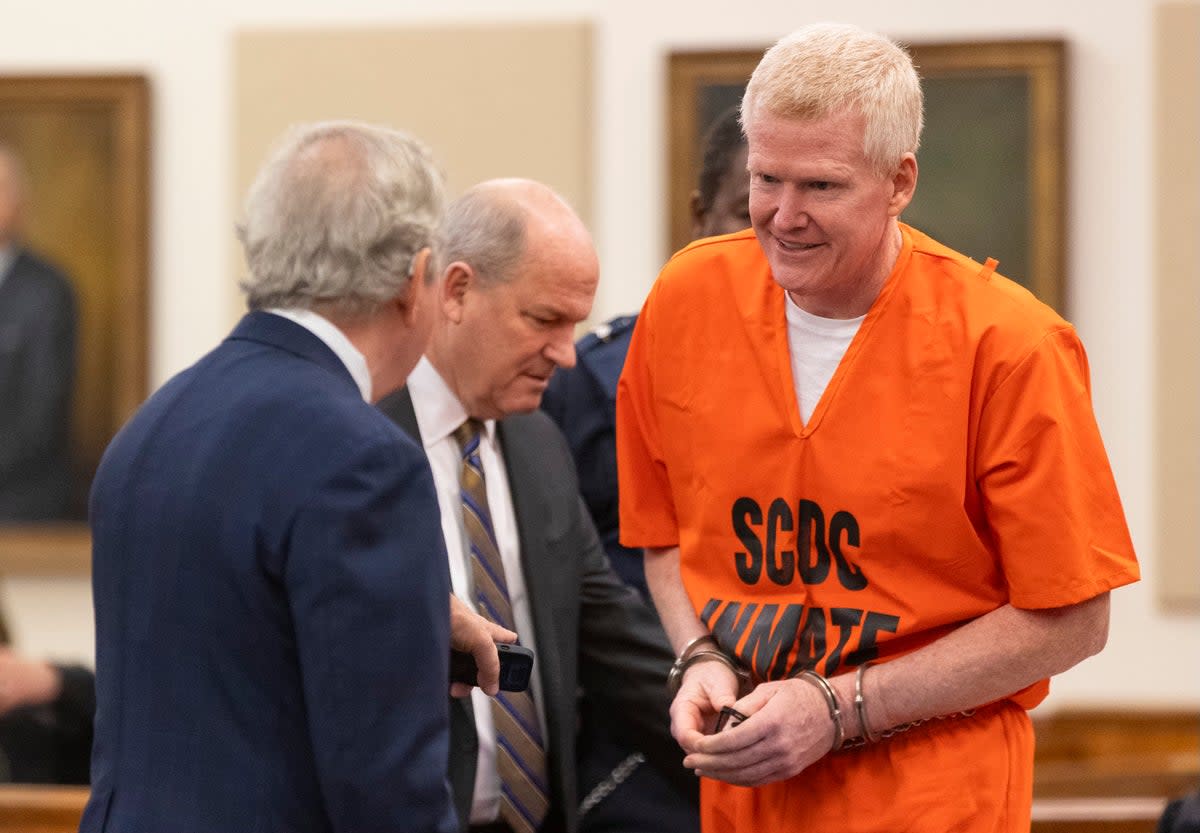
[(37, 372), (593, 632)]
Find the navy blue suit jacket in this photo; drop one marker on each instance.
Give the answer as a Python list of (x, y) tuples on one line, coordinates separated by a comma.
[(271, 591)]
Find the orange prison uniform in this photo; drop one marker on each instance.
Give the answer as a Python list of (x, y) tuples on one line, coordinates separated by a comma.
[(952, 465)]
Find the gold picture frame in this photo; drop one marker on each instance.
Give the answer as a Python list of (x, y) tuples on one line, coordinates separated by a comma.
[(992, 169), (84, 140)]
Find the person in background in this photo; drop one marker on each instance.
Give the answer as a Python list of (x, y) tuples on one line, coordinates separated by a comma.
[(45, 708), (45, 718), (37, 366), (877, 511), (720, 202), (273, 629), (518, 272), (1181, 815), (583, 401)]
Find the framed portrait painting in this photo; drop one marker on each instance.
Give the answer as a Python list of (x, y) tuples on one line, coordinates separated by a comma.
[(82, 144)]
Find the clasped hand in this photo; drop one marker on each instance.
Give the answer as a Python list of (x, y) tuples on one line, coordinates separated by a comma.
[(26, 682), (787, 730)]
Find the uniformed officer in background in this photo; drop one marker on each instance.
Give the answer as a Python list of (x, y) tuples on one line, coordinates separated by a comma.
[(582, 400)]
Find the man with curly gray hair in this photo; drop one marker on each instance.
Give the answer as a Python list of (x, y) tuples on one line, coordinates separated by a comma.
[(271, 591)]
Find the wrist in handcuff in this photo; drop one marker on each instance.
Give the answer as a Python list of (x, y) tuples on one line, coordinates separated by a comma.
[(703, 649), (835, 713), (840, 739)]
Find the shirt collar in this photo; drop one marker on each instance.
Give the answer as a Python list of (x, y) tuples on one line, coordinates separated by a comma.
[(438, 410), (336, 341)]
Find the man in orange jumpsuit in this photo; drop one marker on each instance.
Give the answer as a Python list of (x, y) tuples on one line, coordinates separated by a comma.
[(876, 507)]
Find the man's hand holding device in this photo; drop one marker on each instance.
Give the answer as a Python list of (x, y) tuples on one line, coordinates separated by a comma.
[(477, 637), (516, 667)]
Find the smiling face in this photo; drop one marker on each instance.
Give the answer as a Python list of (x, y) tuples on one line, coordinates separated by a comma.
[(826, 220), (500, 341)]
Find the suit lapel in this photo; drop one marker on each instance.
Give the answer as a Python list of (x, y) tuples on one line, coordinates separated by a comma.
[(399, 407), (527, 484), (527, 505), (530, 508)]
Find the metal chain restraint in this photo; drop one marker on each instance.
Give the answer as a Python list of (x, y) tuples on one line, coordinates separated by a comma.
[(859, 742), (615, 778)]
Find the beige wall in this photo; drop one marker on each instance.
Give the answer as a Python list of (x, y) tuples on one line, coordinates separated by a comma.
[(1177, 258), (491, 111)]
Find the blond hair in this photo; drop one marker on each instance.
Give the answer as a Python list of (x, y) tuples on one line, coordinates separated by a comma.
[(826, 68)]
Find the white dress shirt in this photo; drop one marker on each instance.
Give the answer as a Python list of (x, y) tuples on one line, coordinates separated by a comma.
[(439, 413), (335, 340)]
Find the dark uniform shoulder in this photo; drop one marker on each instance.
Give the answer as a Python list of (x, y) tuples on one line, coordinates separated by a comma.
[(607, 332)]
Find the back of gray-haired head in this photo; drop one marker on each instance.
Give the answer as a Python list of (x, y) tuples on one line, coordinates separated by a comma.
[(488, 227), (824, 68), (337, 216), (484, 230)]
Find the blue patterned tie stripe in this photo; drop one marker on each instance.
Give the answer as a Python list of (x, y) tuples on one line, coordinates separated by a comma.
[(520, 753)]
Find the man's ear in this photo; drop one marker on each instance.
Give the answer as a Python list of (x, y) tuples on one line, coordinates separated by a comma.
[(904, 185), (458, 278), (415, 290)]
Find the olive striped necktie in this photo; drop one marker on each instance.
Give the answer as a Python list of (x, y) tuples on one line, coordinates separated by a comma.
[(520, 753)]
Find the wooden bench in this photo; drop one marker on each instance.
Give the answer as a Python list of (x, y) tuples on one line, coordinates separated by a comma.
[(1112, 771), (37, 808)]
